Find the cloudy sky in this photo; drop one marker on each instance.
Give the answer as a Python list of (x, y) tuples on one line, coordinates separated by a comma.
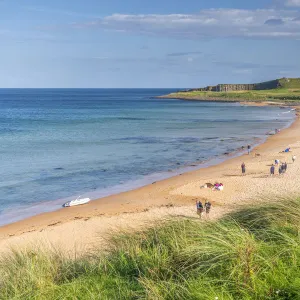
[(140, 43)]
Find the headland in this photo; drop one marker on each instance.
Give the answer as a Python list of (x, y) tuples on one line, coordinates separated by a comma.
[(284, 91)]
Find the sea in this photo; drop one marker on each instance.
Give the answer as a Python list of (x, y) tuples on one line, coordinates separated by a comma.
[(57, 144)]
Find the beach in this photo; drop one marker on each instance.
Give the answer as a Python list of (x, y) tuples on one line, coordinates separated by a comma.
[(79, 229), (55, 148)]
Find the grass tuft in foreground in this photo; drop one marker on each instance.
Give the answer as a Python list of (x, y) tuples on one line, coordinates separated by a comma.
[(251, 254)]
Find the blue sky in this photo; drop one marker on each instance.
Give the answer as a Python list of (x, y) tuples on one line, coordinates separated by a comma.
[(138, 43)]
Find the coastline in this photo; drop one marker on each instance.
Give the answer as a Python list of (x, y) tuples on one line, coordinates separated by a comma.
[(257, 98), (78, 226), (258, 102), (179, 154)]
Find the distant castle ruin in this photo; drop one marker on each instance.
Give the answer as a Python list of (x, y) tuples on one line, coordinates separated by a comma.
[(268, 85)]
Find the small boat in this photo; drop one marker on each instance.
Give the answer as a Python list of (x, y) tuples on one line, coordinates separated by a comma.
[(77, 201)]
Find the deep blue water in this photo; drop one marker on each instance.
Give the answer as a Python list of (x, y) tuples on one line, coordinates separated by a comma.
[(58, 143)]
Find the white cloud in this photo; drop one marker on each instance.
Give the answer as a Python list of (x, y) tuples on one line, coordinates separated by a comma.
[(211, 23), (292, 3)]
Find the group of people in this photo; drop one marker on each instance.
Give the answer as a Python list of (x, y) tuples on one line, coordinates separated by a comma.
[(201, 208), (281, 170)]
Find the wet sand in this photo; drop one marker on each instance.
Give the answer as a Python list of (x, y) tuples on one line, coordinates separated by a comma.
[(78, 229)]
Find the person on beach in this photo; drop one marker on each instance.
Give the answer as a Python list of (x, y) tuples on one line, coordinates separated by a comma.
[(294, 158), (243, 166), (272, 170), (280, 170), (285, 167), (249, 149), (207, 206), (286, 150), (277, 162), (200, 209)]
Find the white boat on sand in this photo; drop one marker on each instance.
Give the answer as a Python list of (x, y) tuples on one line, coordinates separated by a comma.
[(77, 201)]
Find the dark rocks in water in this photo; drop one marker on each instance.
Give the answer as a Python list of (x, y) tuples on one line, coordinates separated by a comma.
[(58, 169), (226, 153), (178, 164), (193, 165), (104, 170)]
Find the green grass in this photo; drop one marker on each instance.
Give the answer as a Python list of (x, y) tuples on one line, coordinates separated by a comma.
[(280, 94), (290, 83), (251, 254)]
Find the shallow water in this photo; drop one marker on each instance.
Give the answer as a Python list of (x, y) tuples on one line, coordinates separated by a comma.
[(57, 144)]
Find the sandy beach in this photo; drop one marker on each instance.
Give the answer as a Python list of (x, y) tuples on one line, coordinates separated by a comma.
[(78, 229)]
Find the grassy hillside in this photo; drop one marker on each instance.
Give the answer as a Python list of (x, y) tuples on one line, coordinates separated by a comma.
[(290, 83), (287, 95), (251, 254)]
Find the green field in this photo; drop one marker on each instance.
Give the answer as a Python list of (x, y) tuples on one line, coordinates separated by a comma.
[(251, 254), (283, 95)]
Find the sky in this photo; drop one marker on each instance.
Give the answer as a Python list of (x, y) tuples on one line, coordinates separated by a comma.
[(147, 44)]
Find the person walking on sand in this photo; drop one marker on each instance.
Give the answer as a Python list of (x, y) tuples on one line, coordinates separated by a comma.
[(200, 209), (280, 170), (243, 166), (285, 167), (207, 206), (249, 149), (272, 170), (294, 158)]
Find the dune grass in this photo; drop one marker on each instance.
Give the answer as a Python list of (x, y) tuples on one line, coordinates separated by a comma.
[(251, 254)]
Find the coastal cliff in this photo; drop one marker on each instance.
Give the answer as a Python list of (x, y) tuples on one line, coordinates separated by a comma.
[(268, 85)]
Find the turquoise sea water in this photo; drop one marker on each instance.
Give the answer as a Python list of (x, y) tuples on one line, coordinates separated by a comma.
[(60, 143)]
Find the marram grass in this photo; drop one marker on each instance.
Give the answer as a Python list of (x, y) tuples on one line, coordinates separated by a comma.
[(251, 254)]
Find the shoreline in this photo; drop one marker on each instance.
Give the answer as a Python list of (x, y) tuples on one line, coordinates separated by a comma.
[(173, 196), (143, 182), (11, 216), (250, 102), (56, 205)]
